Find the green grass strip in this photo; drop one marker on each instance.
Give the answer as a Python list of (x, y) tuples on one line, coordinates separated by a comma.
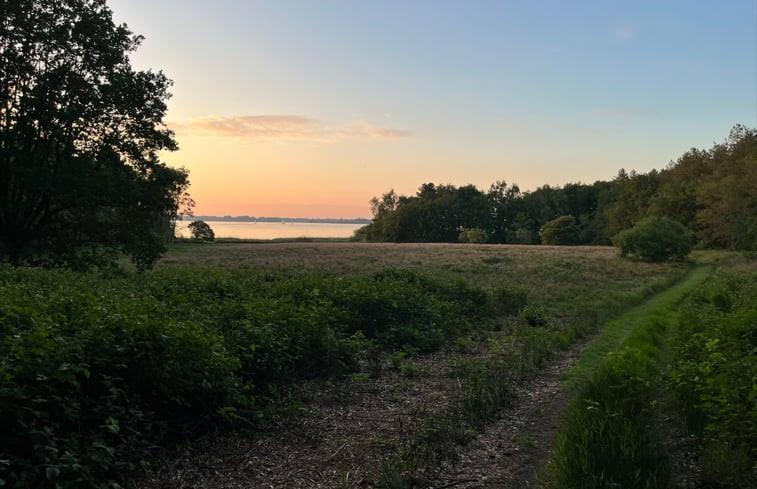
[(607, 439), (616, 332)]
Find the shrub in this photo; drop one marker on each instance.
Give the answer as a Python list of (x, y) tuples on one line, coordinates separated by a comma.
[(560, 231), (201, 231), (655, 239), (535, 315), (509, 301), (475, 235), (713, 376)]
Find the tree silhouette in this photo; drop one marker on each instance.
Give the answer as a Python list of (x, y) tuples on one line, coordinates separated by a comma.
[(80, 132)]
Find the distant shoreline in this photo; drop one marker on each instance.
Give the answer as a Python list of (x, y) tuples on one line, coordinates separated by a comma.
[(277, 219)]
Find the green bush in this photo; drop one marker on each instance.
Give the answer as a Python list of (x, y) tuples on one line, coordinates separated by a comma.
[(560, 231), (535, 315), (655, 239), (475, 235), (509, 300)]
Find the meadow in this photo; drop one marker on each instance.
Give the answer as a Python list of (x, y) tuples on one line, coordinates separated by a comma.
[(100, 369)]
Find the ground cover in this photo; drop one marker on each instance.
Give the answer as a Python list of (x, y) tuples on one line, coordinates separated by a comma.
[(98, 368), (410, 405), (711, 376)]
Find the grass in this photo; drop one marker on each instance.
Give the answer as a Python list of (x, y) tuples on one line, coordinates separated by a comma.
[(568, 292), (616, 332), (553, 276), (608, 438)]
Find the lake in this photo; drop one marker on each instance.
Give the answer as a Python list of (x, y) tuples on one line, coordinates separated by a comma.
[(273, 230)]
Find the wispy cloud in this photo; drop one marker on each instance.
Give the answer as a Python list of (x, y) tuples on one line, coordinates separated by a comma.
[(262, 128)]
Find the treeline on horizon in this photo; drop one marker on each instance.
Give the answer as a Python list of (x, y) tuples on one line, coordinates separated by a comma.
[(711, 192), (315, 220)]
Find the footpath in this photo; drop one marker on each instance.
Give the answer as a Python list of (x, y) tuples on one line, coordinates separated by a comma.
[(513, 450)]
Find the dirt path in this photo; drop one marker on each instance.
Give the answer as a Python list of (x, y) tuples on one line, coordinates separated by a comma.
[(340, 439), (513, 448), (347, 430)]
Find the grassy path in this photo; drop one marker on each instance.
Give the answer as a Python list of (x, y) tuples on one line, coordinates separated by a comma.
[(608, 437), (510, 451), (616, 332)]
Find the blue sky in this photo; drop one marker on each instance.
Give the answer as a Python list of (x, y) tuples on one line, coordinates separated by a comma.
[(309, 108)]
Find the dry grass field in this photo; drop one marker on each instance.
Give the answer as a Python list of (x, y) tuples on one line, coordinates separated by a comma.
[(554, 276)]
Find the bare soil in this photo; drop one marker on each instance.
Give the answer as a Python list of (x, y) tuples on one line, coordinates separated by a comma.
[(340, 437)]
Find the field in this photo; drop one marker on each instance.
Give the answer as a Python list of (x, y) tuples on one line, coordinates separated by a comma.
[(305, 364), (549, 274)]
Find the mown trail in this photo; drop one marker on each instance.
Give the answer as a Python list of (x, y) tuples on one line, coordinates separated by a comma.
[(511, 451)]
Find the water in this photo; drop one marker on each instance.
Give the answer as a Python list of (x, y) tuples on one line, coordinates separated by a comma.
[(273, 230)]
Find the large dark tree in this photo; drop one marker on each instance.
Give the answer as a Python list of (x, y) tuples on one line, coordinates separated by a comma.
[(80, 132)]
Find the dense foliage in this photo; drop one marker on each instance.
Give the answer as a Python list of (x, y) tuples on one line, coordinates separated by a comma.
[(560, 231), (655, 239), (711, 192), (714, 376), (94, 371), (80, 134)]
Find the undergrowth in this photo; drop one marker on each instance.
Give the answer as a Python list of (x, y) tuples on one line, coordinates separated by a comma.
[(714, 376), (96, 371)]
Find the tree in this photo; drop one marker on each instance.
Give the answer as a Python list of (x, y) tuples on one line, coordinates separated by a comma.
[(80, 133), (632, 200), (560, 231), (503, 203), (727, 211), (201, 231)]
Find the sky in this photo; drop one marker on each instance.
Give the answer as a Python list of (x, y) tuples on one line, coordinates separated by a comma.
[(308, 108)]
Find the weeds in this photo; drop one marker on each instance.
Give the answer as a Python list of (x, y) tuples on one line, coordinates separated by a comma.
[(713, 377), (97, 370)]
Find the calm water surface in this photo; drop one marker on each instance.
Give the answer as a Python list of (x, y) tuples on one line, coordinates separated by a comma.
[(273, 230)]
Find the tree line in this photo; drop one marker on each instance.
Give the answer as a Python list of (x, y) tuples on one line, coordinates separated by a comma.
[(710, 192)]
